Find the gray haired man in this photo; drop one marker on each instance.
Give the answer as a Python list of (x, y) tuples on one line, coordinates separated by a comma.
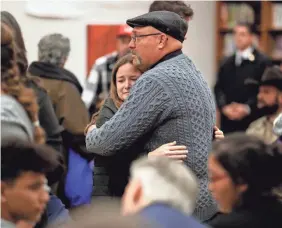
[(163, 191), (62, 86)]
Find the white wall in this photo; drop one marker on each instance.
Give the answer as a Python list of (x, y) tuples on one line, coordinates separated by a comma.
[(199, 46)]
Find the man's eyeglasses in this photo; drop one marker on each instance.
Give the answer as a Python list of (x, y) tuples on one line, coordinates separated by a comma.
[(134, 38)]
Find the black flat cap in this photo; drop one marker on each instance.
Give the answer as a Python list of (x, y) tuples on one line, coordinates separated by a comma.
[(167, 22)]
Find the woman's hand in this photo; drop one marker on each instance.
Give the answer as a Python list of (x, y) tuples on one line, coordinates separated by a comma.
[(91, 128), (218, 134), (171, 150)]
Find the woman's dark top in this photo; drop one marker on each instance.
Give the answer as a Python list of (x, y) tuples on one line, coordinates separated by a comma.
[(111, 173), (266, 213)]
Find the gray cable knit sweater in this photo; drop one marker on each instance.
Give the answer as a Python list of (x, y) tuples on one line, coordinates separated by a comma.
[(171, 102)]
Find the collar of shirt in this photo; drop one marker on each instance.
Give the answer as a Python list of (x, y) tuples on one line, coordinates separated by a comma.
[(167, 57), (242, 55)]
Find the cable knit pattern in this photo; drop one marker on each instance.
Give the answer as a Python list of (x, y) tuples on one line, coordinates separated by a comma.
[(171, 102)]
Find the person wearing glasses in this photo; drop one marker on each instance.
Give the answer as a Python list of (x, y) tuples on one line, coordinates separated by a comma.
[(171, 101), (245, 174)]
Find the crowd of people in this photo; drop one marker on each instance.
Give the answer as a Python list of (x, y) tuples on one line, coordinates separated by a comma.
[(145, 132)]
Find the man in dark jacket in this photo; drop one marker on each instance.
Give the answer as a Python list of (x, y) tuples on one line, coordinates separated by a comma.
[(236, 98)]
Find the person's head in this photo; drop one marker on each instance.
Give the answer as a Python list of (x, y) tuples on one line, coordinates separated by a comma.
[(243, 35), (124, 76), (9, 20), (54, 49), (160, 180), (178, 7), (12, 84), (243, 170), (155, 35), (98, 216), (123, 39), (24, 191), (270, 91)]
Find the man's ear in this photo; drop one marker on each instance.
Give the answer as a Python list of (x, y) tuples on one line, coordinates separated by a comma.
[(3, 189), (162, 41)]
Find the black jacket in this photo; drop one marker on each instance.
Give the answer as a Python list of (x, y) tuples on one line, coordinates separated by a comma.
[(111, 173), (265, 213), (234, 85)]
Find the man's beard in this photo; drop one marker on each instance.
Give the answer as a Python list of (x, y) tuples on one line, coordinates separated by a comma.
[(268, 110), (138, 63)]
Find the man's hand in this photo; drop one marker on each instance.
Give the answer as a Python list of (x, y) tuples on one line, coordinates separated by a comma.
[(241, 111), (229, 111), (236, 111), (171, 150)]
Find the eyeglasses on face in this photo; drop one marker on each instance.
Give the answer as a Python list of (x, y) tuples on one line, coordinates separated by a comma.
[(134, 38)]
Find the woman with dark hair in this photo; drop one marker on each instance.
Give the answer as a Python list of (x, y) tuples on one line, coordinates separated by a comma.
[(47, 116), (244, 174), (116, 168)]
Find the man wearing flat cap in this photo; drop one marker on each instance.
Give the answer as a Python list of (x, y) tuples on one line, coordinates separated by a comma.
[(171, 101), (269, 103)]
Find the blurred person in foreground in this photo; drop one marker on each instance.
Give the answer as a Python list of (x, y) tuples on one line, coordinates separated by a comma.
[(46, 115), (19, 117), (163, 191), (105, 213), (24, 189), (19, 108), (236, 100), (270, 103), (244, 175), (170, 102)]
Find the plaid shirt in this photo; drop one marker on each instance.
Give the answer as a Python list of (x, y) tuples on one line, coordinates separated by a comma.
[(97, 86)]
